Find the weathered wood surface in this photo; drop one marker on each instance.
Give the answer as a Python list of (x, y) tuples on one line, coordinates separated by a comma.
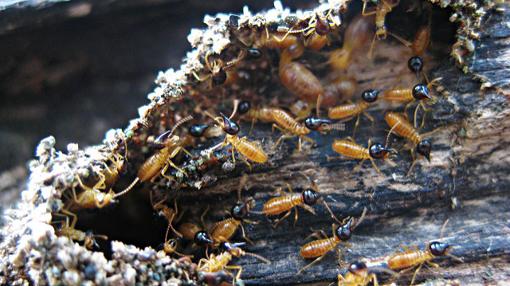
[(470, 165), (466, 183)]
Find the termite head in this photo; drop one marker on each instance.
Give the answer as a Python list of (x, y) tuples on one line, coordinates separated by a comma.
[(89, 240), (202, 238), (243, 107), (370, 95), (197, 130), (318, 124), (240, 210), (378, 151), (415, 64), (219, 77), (344, 231), (438, 248), (254, 53), (170, 246), (357, 267), (421, 91), (310, 196), (381, 33), (424, 148), (229, 126)]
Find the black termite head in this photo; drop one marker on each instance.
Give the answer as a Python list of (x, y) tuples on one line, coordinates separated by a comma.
[(344, 231), (378, 151), (317, 124), (357, 267), (421, 91), (240, 210), (202, 238), (415, 64), (254, 53), (197, 130), (370, 95), (310, 196), (438, 248), (424, 148), (219, 77), (229, 126), (243, 107)]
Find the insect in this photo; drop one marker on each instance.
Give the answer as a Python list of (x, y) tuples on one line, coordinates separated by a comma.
[(281, 120), (400, 126), (90, 199), (193, 232), (250, 150), (348, 148), (418, 47), (298, 79), (68, 229), (159, 162), (220, 262), (287, 202), (200, 132), (217, 69), (357, 274), (319, 248), (350, 110), (356, 36), (223, 230), (383, 8), (170, 214), (419, 92), (417, 258), (340, 89)]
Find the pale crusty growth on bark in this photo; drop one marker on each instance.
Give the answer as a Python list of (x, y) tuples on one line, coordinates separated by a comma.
[(468, 173)]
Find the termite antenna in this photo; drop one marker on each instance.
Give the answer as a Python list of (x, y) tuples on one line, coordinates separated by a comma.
[(259, 257), (180, 122), (333, 216), (135, 181)]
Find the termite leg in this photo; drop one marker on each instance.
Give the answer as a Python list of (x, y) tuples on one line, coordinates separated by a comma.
[(375, 166), (415, 273), (319, 234), (246, 237), (358, 167), (202, 216), (74, 218), (295, 216), (176, 167), (363, 10), (308, 209), (312, 263), (281, 219), (239, 271)]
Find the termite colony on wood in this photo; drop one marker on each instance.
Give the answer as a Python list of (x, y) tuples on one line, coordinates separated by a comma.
[(317, 68)]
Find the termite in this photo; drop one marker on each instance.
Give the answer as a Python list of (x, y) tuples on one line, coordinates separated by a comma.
[(400, 126), (350, 110), (250, 150), (418, 47), (356, 36), (417, 258), (170, 214), (298, 79), (218, 69), (159, 162), (419, 92), (287, 202), (340, 89), (68, 229), (357, 274), (223, 230), (193, 232), (348, 148), (319, 248), (383, 8), (220, 262), (281, 120)]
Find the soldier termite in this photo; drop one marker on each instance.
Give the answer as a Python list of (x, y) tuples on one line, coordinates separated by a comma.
[(319, 248), (287, 202), (220, 262), (349, 110), (402, 127), (419, 92), (357, 274), (348, 148), (223, 230), (68, 229), (159, 162), (217, 69), (250, 150)]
